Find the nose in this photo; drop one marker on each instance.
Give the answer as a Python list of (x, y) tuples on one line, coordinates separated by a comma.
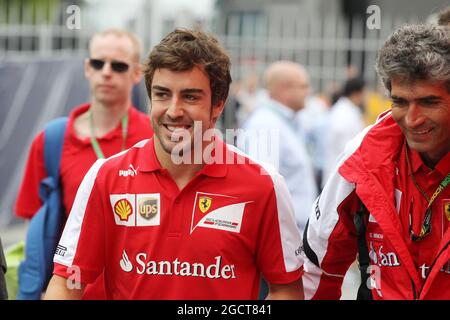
[(414, 116), (175, 108), (106, 70)]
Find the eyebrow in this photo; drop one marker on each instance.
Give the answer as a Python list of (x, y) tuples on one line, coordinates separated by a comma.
[(184, 91), (160, 88), (420, 98)]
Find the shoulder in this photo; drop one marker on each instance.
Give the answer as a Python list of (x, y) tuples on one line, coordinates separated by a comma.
[(375, 146), (253, 173), (140, 125), (112, 166), (139, 115)]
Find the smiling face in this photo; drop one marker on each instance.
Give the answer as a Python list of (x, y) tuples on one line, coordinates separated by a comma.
[(422, 110), (178, 99)]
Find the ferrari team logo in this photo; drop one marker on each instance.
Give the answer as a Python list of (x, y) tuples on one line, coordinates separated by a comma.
[(217, 211), (204, 203), (123, 209), (447, 209)]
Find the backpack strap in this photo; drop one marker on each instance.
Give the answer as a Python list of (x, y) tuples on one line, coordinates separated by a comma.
[(54, 140), (3, 291), (44, 229), (360, 221)]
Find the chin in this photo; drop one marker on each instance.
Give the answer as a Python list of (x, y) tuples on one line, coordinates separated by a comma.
[(180, 148), (424, 148), (105, 100)]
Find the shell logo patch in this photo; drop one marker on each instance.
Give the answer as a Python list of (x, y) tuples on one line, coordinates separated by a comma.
[(123, 209), (136, 210)]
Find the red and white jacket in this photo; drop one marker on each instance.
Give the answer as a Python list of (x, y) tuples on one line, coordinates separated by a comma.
[(365, 172)]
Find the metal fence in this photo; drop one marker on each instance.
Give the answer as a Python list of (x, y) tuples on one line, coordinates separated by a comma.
[(321, 43)]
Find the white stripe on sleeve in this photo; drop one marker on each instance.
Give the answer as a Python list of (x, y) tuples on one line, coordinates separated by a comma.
[(71, 234)]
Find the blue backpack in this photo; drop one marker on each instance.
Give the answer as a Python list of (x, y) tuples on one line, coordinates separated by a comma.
[(45, 227)]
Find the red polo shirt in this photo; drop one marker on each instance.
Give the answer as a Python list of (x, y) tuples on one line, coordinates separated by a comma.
[(77, 157), (210, 240), (414, 204)]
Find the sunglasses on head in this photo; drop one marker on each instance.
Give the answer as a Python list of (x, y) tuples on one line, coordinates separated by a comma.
[(116, 66)]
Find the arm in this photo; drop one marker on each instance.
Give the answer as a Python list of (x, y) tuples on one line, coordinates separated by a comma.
[(58, 289), (28, 200), (330, 240), (288, 291), (80, 258), (279, 255)]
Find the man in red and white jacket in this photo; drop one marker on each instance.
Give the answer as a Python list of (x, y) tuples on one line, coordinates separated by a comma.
[(396, 173)]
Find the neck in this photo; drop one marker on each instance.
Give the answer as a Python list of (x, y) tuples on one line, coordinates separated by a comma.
[(181, 173), (106, 118), (431, 160)]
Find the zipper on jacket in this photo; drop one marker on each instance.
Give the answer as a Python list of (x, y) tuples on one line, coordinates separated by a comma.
[(414, 290)]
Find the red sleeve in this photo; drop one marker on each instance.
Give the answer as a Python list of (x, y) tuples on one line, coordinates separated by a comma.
[(28, 201), (80, 254), (279, 241)]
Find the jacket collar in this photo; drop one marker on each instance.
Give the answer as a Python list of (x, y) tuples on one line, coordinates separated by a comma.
[(370, 168)]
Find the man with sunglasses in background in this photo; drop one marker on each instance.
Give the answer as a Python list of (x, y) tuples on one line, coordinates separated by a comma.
[(107, 125), (388, 199)]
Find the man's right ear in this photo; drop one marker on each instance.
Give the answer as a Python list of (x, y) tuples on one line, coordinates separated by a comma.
[(87, 68), (137, 73)]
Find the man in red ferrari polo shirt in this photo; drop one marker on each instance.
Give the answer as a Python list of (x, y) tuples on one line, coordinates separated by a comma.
[(101, 128), (192, 230)]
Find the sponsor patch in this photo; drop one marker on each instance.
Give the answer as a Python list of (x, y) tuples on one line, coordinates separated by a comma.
[(123, 209), (217, 211), (149, 211), (131, 171), (204, 203), (446, 207), (136, 210), (61, 250)]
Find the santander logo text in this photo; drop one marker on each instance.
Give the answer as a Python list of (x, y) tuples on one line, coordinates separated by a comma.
[(145, 266)]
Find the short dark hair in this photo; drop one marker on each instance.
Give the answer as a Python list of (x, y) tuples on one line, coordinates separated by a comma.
[(353, 85), (416, 52), (182, 50)]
